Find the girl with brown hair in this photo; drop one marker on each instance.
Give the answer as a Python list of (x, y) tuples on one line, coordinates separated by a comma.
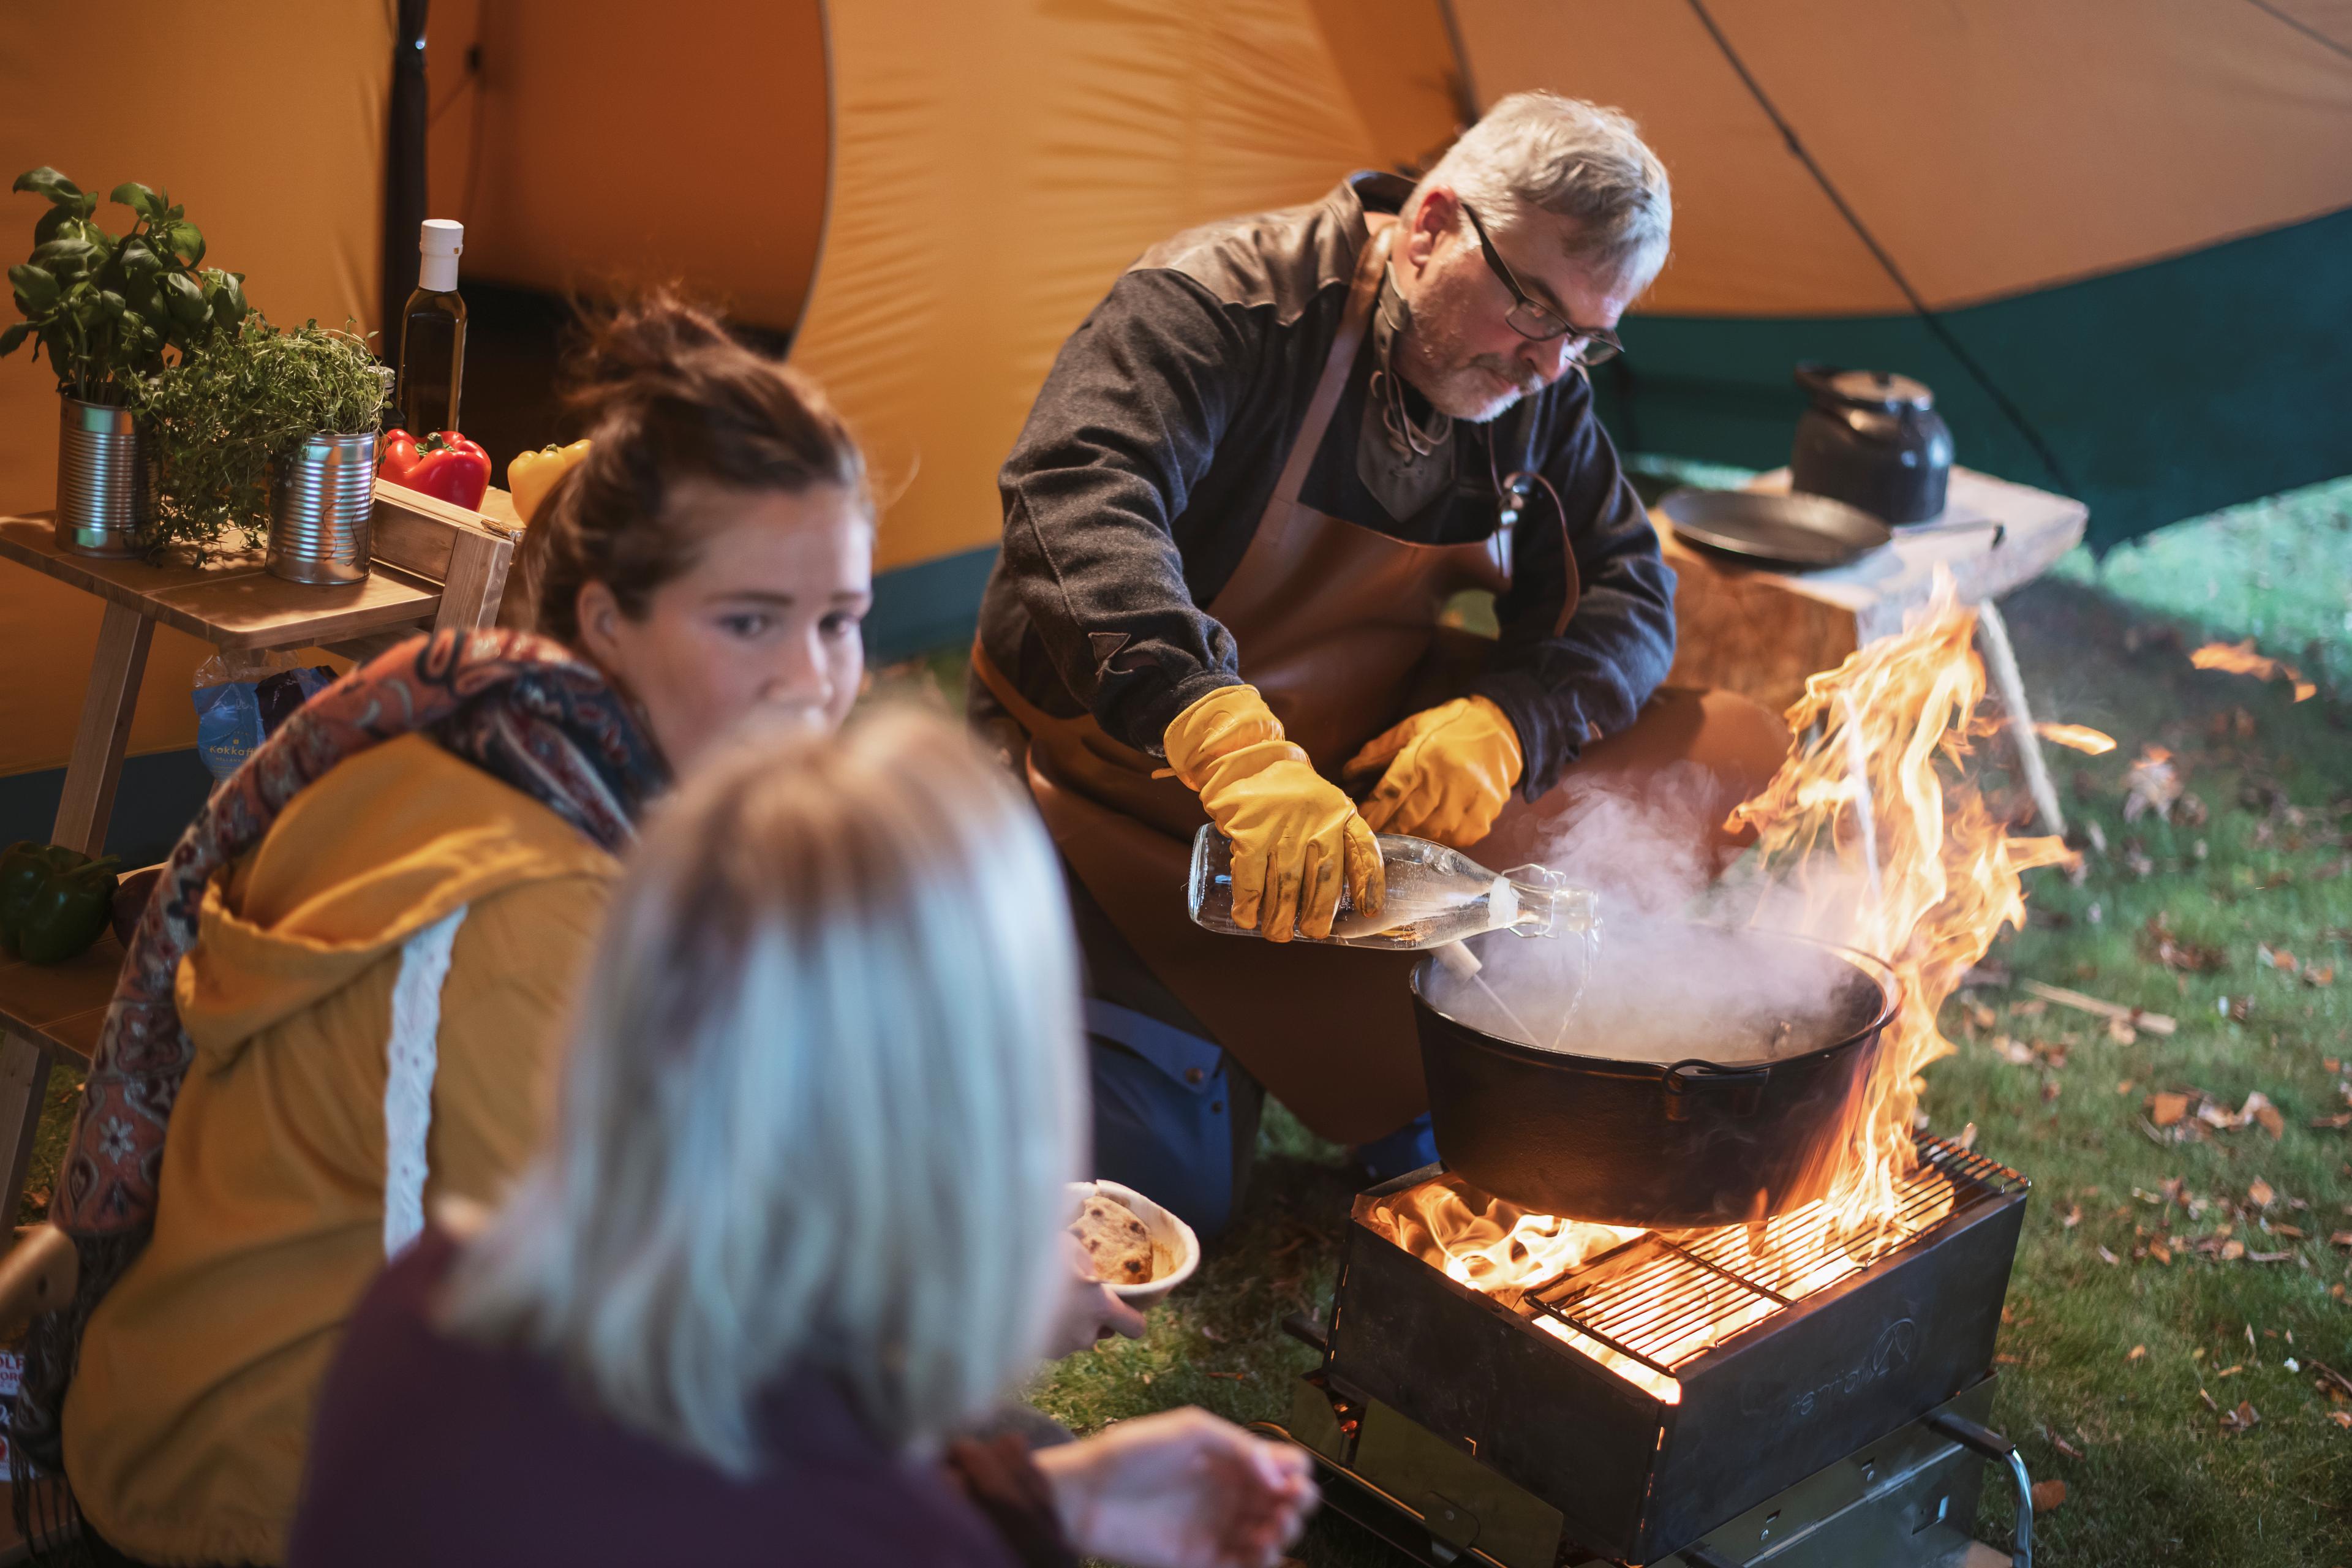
[(420, 856)]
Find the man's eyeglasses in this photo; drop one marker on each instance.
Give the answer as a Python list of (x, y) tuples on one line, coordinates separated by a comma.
[(1539, 322)]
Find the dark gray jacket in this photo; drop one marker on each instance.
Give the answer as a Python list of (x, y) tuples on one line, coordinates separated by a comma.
[(1155, 445)]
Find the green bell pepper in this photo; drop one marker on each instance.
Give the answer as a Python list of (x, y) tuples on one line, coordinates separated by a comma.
[(54, 901)]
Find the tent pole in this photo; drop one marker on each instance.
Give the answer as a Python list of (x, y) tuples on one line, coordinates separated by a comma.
[(1465, 87)]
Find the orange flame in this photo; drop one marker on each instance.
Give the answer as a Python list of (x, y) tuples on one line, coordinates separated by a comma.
[(2239, 659), (1874, 827), (2077, 737), (1864, 808)]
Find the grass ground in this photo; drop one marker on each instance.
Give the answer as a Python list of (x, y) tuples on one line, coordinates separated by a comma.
[(2110, 1343)]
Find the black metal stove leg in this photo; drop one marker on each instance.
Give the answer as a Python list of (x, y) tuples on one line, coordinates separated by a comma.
[(2000, 1449)]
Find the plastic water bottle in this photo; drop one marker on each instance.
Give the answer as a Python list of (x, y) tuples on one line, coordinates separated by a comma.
[(1436, 897)]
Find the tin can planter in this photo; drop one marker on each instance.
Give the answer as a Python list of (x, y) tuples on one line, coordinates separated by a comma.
[(106, 479), (321, 496)]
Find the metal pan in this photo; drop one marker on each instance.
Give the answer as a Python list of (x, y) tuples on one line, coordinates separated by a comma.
[(1782, 532), (1657, 1145)]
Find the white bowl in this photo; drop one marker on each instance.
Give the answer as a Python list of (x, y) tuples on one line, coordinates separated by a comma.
[(1175, 1250)]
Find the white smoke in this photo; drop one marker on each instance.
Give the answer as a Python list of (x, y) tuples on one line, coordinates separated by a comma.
[(1685, 966)]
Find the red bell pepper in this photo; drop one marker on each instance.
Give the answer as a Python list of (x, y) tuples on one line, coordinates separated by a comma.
[(444, 465)]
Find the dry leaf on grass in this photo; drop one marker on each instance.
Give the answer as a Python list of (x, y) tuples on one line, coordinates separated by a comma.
[(2342, 1418), (2106, 1256), (2177, 952), (2059, 1443), (2244, 1419), (2138, 1353), (2260, 1194), (2048, 1495), (2164, 1110), (2150, 784)]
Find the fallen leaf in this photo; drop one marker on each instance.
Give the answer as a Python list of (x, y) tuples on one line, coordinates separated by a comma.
[(2239, 659), (2175, 953), (2138, 1353), (2342, 1418), (2049, 1092), (2161, 1253), (2106, 1256), (2320, 976), (2008, 1361), (2120, 1031), (2071, 1217), (2260, 1194), (2231, 1371), (2208, 1399), (2150, 784), (2244, 1419), (2059, 1443), (2048, 1495), (2164, 1110), (2124, 1087), (2341, 1238)]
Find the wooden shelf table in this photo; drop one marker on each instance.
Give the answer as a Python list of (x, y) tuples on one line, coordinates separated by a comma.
[(434, 565), (1761, 633)]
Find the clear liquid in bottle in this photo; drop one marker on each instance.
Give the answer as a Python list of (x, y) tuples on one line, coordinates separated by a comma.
[(433, 335), (1436, 897)]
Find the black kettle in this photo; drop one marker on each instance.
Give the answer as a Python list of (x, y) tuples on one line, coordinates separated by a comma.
[(1872, 440)]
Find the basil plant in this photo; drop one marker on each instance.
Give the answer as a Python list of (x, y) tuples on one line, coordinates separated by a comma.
[(108, 309)]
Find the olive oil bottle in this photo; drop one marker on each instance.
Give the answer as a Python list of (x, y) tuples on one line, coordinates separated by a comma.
[(433, 333)]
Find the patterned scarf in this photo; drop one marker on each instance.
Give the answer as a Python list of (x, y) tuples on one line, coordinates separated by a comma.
[(519, 707)]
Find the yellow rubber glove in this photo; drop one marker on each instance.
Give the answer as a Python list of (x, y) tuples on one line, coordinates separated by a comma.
[(1298, 838), (1450, 769)]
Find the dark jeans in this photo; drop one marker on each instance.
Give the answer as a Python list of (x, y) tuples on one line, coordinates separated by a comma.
[(1175, 1117)]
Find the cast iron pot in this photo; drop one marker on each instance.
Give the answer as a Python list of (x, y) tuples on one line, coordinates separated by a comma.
[(1636, 1143)]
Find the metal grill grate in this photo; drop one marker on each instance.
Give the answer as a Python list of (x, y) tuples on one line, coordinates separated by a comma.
[(1661, 1300)]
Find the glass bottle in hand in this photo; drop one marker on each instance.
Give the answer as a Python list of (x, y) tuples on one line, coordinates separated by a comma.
[(1436, 896), (433, 335)]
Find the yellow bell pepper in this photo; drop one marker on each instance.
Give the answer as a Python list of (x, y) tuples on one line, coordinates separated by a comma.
[(533, 474)]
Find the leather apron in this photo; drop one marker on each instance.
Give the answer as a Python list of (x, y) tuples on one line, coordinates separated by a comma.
[(1338, 627)]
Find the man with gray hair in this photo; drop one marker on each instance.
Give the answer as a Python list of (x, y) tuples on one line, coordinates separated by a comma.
[(1239, 528)]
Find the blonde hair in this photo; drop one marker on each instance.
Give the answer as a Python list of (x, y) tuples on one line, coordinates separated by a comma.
[(1572, 159), (822, 1096)]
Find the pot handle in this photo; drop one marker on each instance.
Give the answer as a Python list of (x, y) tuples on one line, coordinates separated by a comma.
[(1694, 1075)]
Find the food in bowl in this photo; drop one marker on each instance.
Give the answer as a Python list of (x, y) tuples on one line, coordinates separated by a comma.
[(1117, 1245)]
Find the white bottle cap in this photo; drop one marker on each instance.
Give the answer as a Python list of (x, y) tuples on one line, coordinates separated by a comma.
[(441, 241)]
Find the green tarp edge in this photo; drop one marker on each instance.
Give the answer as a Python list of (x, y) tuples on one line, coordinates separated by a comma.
[(2166, 390)]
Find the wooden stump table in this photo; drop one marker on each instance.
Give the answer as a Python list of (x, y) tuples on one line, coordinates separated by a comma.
[(1762, 633), (435, 566)]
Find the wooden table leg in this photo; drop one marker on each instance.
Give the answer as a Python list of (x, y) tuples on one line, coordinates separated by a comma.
[(96, 766), (24, 1085)]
